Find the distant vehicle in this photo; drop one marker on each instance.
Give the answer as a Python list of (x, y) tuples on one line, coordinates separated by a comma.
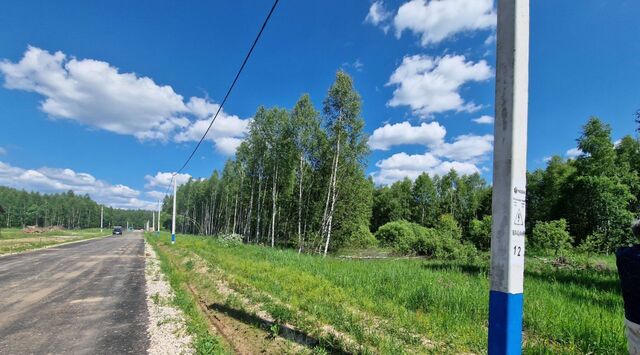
[(117, 230)]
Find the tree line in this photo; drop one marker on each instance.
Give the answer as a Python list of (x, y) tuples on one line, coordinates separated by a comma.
[(298, 180), (19, 208)]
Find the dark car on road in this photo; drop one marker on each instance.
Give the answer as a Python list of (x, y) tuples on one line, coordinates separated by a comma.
[(117, 230)]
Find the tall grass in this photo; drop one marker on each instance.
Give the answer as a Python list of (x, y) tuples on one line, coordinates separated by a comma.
[(394, 305)]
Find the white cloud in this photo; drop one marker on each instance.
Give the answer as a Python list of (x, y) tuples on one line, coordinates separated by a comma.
[(56, 180), (97, 94), (402, 165), (467, 147), (156, 195), (464, 154), (431, 85), (573, 153), (435, 21), (378, 15), (163, 179), (490, 40), (427, 134), (227, 132), (484, 119)]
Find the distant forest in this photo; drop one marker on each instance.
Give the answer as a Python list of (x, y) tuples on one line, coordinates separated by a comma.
[(23, 208), (298, 180)]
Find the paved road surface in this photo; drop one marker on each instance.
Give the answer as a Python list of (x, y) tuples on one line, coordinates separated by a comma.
[(83, 298)]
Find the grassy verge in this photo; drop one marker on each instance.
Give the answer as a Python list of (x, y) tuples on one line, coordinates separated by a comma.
[(14, 240), (206, 342), (396, 306)]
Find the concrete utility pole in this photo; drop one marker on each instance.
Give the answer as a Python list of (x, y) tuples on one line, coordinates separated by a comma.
[(173, 218), (159, 211), (101, 217), (509, 178)]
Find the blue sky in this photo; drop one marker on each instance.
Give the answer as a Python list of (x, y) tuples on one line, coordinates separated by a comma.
[(108, 98)]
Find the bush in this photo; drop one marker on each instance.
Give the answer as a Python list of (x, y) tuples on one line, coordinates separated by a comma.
[(361, 237), (230, 240), (551, 235), (447, 226), (427, 241), (480, 233), (398, 235)]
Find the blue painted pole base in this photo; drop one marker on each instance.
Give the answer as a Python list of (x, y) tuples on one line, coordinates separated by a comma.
[(173, 239), (505, 323)]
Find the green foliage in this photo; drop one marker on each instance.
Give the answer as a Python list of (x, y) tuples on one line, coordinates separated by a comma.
[(449, 228), (388, 305), (230, 240), (480, 233), (360, 237), (551, 236), (398, 235), (22, 208)]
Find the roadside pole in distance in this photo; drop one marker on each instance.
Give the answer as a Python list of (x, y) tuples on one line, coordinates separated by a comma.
[(173, 218), (159, 211), (509, 178), (101, 217)]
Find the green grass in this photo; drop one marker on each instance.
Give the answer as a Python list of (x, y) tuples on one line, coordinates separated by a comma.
[(14, 240), (388, 305), (205, 341)]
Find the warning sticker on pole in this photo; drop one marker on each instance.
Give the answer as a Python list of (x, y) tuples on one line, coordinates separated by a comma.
[(518, 208)]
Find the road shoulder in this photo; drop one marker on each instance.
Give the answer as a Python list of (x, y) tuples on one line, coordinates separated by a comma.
[(166, 326)]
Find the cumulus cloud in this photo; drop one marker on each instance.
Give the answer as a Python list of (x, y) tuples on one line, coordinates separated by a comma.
[(435, 21), (464, 153), (156, 195), (378, 15), (227, 132), (468, 147), (56, 180), (427, 134), (573, 153), (402, 165), (432, 85), (163, 179), (96, 94), (484, 119)]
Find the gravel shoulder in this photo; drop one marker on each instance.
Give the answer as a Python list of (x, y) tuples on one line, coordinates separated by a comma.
[(166, 325)]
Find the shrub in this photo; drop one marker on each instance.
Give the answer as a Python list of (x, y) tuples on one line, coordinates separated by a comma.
[(398, 235), (230, 240), (480, 233), (427, 241), (447, 226), (361, 237), (551, 235)]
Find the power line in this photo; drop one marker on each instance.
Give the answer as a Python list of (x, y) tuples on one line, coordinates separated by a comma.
[(226, 96), (244, 62)]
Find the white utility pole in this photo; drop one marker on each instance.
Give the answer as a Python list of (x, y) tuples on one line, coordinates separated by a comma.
[(159, 212), (173, 219), (509, 178), (153, 223), (101, 217)]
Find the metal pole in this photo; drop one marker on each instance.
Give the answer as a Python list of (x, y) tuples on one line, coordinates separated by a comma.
[(101, 217), (159, 211), (509, 178), (173, 218)]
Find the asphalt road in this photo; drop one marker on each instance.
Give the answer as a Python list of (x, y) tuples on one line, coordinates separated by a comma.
[(82, 298)]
